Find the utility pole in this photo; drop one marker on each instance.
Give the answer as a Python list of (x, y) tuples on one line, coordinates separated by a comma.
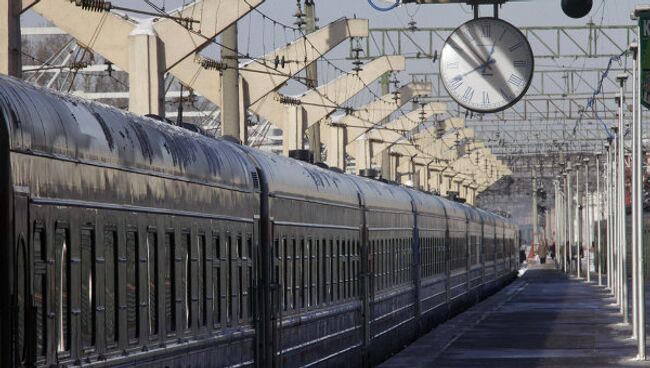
[(634, 197), (610, 221), (638, 177), (569, 217), (622, 78), (534, 211), (600, 221), (313, 132), (230, 114), (388, 162), (10, 57), (587, 219), (578, 222)]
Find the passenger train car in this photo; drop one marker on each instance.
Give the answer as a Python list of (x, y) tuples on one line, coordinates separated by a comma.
[(128, 241)]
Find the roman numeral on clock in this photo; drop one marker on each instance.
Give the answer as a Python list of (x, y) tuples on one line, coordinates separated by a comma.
[(516, 80), (486, 98), (469, 93), (520, 63), (455, 83), (486, 30), (516, 46)]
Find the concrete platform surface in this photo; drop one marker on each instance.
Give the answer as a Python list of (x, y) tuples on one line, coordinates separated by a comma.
[(543, 319)]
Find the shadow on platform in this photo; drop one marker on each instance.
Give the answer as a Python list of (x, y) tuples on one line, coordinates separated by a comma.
[(543, 319)]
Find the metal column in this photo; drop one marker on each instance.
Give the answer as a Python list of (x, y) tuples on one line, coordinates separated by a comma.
[(534, 212), (10, 57), (578, 222), (587, 219), (569, 217), (621, 78), (230, 124), (637, 184), (313, 132), (610, 222), (600, 221), (634, 199)]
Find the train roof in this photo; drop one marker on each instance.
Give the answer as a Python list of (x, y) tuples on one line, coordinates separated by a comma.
[(293, 178), (383, 196), (429, 204), (43, 122), (454, 209), (472, 213), (488, 217)]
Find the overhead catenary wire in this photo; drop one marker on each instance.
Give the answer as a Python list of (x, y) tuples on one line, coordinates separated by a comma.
[(347, 109)]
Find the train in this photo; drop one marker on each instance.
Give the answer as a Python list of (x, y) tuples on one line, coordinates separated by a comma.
[(133, 242)]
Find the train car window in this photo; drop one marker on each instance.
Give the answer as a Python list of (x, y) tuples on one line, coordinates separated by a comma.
[(110, 286), (338, 267), (62, 288), (170, 284), (202, 272), (240, 279), (132, 309), (40, 288), (152, 281), (307, 273), (279, 276), (289, 272), (248, 291), (348, 268), (300, 274), (185, 280), (332, 275), (320, 276), (87, 288), (313, 272), (230, 249), (294, 272), (284, 280), (22, 295), (327, 249), (240, 291), (379, 262), (217, 289), (355, 269)]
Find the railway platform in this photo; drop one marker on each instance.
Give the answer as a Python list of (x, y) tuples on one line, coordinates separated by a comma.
[(543, 319)]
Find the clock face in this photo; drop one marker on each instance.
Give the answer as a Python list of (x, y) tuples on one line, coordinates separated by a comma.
[(486, 65)]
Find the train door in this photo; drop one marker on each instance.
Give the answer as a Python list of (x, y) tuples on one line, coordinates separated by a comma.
[(21, 325), (266, 308)]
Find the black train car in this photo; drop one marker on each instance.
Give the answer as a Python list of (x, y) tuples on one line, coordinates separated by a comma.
[(131, 242)]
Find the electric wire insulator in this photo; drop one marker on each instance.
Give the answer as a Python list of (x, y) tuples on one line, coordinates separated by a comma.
[(78, 65), (357, 66), (279, 62), (94, 5), (211, 64), (286, 100)]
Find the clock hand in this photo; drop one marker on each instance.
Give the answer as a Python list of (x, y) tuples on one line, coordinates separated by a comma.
[(483, 66), (490, 60)]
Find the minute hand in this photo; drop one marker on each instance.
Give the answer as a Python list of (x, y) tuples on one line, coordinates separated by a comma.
[(482, 66)]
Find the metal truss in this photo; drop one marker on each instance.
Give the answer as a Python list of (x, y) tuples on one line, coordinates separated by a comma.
[(553, 94), (550, 42)]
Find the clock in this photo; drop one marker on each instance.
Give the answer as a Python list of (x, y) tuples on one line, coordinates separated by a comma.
[(486, 65)]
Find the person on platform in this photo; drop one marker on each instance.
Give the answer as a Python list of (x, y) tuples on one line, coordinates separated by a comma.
[(542, 252), (553, 251)]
